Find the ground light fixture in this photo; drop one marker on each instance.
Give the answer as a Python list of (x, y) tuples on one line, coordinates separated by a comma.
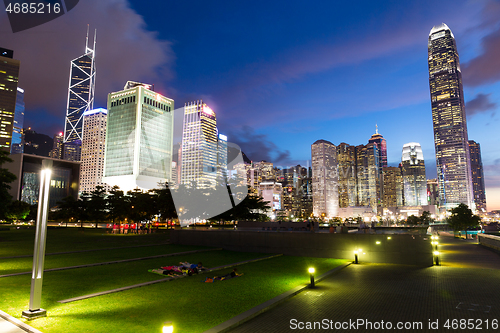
[(311, 273), (377, 242), (35, 311), (168, 327), (436, 256), (356, 255)]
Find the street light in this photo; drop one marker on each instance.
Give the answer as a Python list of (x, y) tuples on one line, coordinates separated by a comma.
[(35, 311), (311, 272)]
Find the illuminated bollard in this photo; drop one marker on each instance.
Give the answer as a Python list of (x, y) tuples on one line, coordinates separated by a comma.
[(436, 256), (168, 327), (356, 255), (311, 272)]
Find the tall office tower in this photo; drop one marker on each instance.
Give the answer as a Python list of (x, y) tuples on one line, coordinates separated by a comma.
[(222, 158), (346, 157), (392, 189), (57, 148), (324, 179), (80, 99), (413, 169), (476, 165), (448, 117), (379, 140), (199, 146), (93, 148), (17, 146), (368, 175), (9, 73), (139, 138)]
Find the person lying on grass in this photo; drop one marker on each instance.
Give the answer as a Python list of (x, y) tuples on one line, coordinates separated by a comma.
[(231, 275), (198, 266), (179, 270)]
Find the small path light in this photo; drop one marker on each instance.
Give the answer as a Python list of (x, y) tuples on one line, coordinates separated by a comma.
[(311, 272), (436, 256), (168, 327), (356, 255)]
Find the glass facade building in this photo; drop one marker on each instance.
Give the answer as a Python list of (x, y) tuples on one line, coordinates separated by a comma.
[(199, 146), (449, 121), (324, 179), (477, 176), (17, 146), (346, 157), (379, 140), (414, 179), (80, 99), (27, 168), (139, 138), (9, 74)]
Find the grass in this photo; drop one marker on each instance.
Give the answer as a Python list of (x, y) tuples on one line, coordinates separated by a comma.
[(192, 305)]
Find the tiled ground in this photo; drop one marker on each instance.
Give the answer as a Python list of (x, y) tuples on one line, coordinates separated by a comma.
[(463, 288)]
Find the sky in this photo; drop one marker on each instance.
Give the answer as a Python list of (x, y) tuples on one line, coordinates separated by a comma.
[(278, 74)]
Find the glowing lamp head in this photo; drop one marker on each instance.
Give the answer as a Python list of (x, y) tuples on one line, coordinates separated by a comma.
[(311, 270), (377, 242), (168, 327), (389, 237), (436, 253)]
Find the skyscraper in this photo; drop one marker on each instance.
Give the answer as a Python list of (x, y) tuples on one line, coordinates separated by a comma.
[(139, 138), (324, 179), (392, 193), (368, 175), (413, 170), (80, 99), (9, 73), (346, 156), (476, 165), (222, 157), (93, 148), (57, 148), (17, 145), (379, 140), (448, 117), (199, 146)]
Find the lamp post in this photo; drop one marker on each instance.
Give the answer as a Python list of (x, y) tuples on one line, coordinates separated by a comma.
[(34, 310), (356, 255), (311, 272)]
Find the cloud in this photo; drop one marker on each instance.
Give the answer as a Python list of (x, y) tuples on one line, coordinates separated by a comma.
[(485, 68), (125, 50), (257, 146), (481, 103)]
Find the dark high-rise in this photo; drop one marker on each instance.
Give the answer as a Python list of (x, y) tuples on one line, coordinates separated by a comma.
[(476, 166), (80, 99), (448, 117), (9, 73), (379, 140)]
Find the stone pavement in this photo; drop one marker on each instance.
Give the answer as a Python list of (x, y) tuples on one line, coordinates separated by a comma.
[(9, 324), (462, 293)]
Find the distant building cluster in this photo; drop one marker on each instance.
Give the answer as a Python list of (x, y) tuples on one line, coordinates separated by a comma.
[(130, 144)]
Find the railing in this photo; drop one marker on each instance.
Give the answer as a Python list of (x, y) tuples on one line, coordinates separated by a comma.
[(490, 241)]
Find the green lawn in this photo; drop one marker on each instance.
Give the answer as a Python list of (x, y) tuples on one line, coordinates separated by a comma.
[(192, 305)]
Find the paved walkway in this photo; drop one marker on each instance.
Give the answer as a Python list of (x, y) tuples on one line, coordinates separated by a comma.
[(9, 324), (463, 288)]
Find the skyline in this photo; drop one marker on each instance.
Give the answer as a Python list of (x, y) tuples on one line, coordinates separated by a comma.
[(266, 75)]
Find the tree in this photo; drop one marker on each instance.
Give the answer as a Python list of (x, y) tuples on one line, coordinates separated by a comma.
[(462, 218), (97, 205), (426, 218), (117, 204), (412, 220), (18, 210), (164, 202), (6, 177), (68, 209)]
